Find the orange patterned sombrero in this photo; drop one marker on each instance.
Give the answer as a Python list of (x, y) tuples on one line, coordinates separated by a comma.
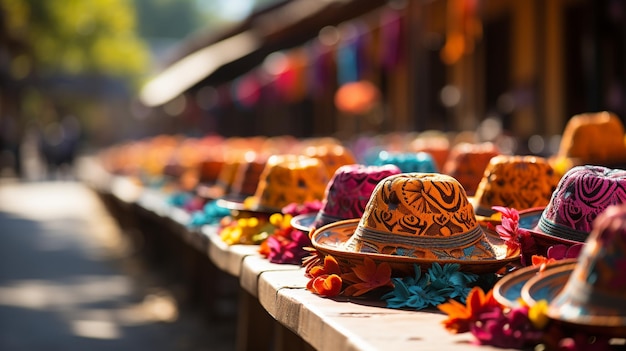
[(415, 218)]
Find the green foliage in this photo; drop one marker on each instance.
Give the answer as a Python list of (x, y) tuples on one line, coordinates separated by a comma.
[(78, 36)]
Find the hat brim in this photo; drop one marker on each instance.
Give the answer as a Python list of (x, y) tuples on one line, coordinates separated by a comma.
[(508, 290), (304, 222), (240, 203), (547, 284), (528, 220), (592, 318), (331, 239)]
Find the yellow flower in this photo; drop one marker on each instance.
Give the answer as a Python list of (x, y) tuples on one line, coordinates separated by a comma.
[(538, 314)]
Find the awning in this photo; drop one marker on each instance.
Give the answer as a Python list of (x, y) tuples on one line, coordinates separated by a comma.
[(192, 69)]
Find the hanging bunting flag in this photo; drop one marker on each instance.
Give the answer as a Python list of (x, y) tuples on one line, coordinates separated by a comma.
[(246, 90), (392, 39)]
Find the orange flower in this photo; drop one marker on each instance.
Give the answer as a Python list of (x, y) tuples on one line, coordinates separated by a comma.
[(460, 316), (325, 280), (327, 285), (541, 261), (330, 267), (367, 277)]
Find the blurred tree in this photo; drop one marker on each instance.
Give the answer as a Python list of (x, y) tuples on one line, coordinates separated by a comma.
[(75, 37)]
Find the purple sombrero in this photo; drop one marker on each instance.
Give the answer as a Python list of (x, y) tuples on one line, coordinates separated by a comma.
[(581, 195)]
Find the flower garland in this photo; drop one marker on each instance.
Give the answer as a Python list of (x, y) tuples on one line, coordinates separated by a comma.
[(418, 292), (285, 244), (525, 326)]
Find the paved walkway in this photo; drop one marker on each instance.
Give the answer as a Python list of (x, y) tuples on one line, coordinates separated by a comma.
[(66, 282)]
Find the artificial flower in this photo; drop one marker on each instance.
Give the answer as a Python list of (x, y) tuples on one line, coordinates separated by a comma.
[(462, 316), (314, 258), (210, 214), (327, 285), (367, 277), (449, 276), (508, 329), (330, 266), (556, 253), (538, 314), (325, 280), (288, 249), (431, 289), (518, 240)]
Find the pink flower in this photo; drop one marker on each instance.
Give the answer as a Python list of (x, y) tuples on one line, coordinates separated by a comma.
[(288, 249), (518, 240), (511, 329)]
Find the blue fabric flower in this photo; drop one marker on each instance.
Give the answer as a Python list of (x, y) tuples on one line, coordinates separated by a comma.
[(211, 214), (438, 285)]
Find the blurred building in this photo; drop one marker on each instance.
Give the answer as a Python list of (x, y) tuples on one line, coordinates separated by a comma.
[(440, 64)]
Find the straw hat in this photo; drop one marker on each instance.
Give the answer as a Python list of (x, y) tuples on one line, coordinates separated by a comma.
[(519, 182), (414, 219), (285, 179)]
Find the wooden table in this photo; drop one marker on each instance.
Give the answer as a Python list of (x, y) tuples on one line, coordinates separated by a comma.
[(275, 310)]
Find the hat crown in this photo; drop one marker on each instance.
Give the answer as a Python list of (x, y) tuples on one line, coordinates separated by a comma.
[(419, 204), (408, 162), (291, 179), (423, 215), (350, 189), (519, 182), (581, 195)]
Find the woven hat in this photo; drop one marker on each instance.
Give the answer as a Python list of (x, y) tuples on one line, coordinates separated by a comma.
[(408, 162), (332, 155), (593, 293), (467, 162), (581, 195), (519, 182), (285, 179), (346, 195), (414, 218), (592, 138)]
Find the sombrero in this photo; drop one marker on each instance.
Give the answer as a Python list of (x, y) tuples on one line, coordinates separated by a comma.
[(408, 162), (415, 219), (285, 179), (594, 289), (346, 195), (508, 289), (581, 195), (519, 182), (467, 162), (592, 138)]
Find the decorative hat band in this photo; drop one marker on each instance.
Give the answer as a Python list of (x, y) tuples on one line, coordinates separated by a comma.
[(427, 242), (561, 231)]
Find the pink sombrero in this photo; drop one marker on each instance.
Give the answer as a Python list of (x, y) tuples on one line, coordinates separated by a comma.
[(581, 195), (346, 195), (593, 294), (415, 219)]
